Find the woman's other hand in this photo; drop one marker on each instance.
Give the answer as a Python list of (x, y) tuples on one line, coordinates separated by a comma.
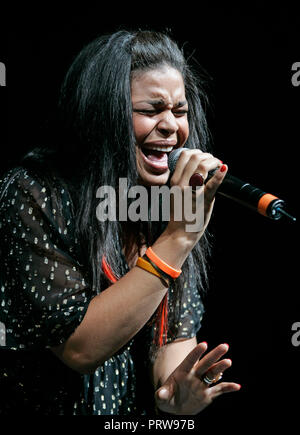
[(185, 392)]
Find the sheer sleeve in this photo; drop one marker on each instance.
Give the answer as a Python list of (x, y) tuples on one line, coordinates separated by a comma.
[(191, 314), (192, 311), (44, 295)]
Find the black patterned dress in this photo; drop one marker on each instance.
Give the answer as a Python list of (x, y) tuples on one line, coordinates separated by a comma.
[(44, 296)]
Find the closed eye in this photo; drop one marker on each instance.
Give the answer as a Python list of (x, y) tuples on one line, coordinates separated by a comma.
[(157, 111), (180, 112), (149, 112)]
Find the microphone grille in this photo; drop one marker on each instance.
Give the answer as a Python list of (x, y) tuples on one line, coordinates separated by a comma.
[(173, 157)]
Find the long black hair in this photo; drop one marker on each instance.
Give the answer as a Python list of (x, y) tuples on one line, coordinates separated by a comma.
[(95, 146)]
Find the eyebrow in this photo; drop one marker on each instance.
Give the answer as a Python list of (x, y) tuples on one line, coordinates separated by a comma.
[(162, 102)]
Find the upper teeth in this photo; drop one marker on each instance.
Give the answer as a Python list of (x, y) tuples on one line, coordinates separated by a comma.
[(163, 149)]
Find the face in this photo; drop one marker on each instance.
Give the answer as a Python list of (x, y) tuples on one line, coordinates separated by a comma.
[(159, 120)]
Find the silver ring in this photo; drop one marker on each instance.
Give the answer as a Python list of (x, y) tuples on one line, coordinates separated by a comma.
[(208, 381), (219, 377)]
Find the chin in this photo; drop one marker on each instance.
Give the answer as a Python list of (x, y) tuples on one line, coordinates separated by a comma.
[(148, 179)]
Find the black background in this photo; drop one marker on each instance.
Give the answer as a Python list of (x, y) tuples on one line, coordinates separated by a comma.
[(253, 299)]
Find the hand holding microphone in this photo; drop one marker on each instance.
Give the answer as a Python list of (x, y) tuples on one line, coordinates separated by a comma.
[(191, 168)]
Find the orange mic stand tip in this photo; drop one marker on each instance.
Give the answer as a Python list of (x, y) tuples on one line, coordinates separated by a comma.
[(264, 203)]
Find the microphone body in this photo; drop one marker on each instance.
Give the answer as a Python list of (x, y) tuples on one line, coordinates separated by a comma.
[(251, 197), (244, 193)]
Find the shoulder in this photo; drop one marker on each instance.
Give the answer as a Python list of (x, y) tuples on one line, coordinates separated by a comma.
[(19, 181), (28, 196), (34, 187), (28, 181)]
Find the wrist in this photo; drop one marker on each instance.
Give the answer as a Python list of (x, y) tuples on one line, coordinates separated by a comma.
[(173, 247)]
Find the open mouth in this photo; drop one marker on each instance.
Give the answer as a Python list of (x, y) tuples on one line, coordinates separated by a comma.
[(157, 157)]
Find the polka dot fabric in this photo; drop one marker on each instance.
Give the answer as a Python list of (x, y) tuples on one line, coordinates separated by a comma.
[(44, 296), (45, 287)]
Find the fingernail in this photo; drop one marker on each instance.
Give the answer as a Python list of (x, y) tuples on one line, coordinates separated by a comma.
[(223, 168), (204, 342)]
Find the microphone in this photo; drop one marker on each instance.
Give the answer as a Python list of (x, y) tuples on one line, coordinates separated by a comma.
[(244, 193)]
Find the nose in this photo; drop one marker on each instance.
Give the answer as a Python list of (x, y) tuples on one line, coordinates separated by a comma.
[(167, 124)]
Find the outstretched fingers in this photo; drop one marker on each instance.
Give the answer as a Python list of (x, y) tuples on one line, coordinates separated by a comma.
[(193, 357), (210, 359), (222, 388)]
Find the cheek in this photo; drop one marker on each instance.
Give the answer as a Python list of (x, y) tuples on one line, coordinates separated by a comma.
[(142, 128), (184, 130)]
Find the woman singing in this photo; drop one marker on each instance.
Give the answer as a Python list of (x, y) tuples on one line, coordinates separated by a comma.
[(101, 317)]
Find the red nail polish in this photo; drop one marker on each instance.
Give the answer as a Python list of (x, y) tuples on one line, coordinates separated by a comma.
[(204, 342), (223, 168)]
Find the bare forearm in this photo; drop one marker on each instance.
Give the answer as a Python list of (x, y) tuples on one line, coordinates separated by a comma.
[(118, 313), (112, 319)]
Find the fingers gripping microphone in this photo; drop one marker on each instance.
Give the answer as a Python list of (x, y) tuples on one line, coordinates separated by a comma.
[(244, 193)]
